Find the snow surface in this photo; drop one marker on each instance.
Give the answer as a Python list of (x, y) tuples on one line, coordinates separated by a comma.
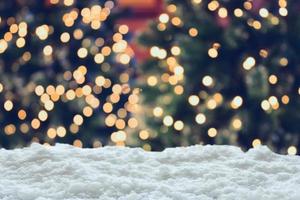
[(196, 172)]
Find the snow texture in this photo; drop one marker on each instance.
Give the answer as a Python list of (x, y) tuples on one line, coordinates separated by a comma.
[(196, 172)]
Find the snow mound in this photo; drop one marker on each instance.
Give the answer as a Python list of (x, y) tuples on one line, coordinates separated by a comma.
[(196, 172)]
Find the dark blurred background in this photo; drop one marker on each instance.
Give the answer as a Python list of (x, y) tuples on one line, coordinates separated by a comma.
[(152, 73)]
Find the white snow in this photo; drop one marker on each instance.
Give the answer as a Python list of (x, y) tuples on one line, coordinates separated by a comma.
[(196, 172)]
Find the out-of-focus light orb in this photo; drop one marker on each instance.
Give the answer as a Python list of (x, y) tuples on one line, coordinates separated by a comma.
[(179, 125), (158, 111), (78, 143), (213, 5), (265, 105), (168, 120), (213, 53), (238, 12), (263, 12), (152, 81), (285, 99), (175, 50), (22, 114), (164, 18), (61, 131), (197, 1), (8, 105), (212, 132), (35, 123), (65, 37), (211, 104), (43, 115), (78, 120), (237, 123), (200, 118), (283, 12), (249, 63), (207, 81), (292, 150), (144, 134), (82, 52), (256, 143), (193, 32), (119, 136), (47, 50), (223, 13), (194, 100), (236, 102), (283, 62), (51, 133)]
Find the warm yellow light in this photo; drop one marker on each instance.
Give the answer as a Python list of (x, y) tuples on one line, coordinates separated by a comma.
[(213, 5), (22, 114), (78, 120), (193, 32), (292, 150), (107, 107), (99, 58), (207, 81), (283, 62), (212, 132), (43, 115), (51, 133), (211, 104), (168, 120), (237, 124), (133, 123), (200, 118), (265, 105), (164, 18), (47, 50), (176, 21), (8, 105), (249, 63), (39, 90), (194, 100), (10, 129), (223, 12), (213, 53), (77, 143), (144, 135), (82, 52), (61, 131), (263, 12), (3, 45), (123, 29), (236, 102), (65, 37), (238, 12), (35, 123), (68, 2), (175, 50), (152, 81), (20, 42), (178, 125), (119, 136), (256, 143), (283, 12), (158, 111), (42, 32), (285, 99), (273, 79), (171, 8)]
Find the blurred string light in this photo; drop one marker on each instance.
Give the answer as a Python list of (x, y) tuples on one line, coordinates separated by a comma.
[(87, 85), (207, 96)]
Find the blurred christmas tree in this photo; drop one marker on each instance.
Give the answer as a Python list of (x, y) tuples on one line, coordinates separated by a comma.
[(64, 72), (222, 72)]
